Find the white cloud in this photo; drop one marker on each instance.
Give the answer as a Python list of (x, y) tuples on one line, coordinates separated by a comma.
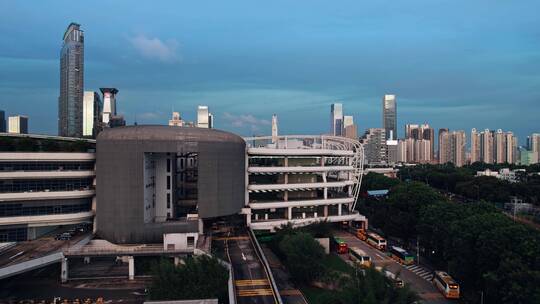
[(155, 48), (245, 120)]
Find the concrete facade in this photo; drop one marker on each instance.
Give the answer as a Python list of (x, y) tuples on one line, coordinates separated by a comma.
[(121, 184)]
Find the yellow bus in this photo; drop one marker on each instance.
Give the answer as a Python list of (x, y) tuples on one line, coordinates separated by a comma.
[(359, 257), (376, 241), (446, 285)]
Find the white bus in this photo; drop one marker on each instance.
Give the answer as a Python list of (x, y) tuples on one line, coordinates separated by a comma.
[(376, 241), (446, 285), (359, 257)]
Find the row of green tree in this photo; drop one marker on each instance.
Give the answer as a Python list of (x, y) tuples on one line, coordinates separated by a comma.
[(483, 249), (307, 262), (199, 277), (462, 181)]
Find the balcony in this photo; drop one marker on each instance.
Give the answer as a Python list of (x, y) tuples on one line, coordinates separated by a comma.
[(315, 169), (300, 203), (45, 174), (43, 195), (299, 186)]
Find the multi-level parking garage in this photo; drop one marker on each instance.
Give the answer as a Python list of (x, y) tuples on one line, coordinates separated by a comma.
[(41, 190), (302, 179)]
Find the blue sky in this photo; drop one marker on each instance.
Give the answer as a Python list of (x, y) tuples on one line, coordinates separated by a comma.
[(457, 64)]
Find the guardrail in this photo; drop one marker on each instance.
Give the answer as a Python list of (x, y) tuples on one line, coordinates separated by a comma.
[(266, 265)]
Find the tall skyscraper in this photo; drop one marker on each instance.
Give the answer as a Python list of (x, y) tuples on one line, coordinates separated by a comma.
[(390, 115), (2, 121), (70, 102), (336, 119), (349, 128), (18, 124), (475, 146), (274, 128), (92, 108), (203, 117)]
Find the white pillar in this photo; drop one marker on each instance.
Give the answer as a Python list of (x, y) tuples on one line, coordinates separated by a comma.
[(64, 270), (201, 226), (177, 261), (131, 262), (289, 213), (339, 209), (326, 211)]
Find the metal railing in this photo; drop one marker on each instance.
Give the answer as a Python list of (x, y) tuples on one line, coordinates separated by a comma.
[(318, 142)]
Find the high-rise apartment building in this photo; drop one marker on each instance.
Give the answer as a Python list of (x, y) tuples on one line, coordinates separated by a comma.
[(486, 146), (533, 142), (204, 117), (476, 156), (336, 119), (499, 147), (452, 147), (389, 115), (511, 148), (18, 124), (424, 132), (374, 141), (2, 121), (92, 108), (70, 101)]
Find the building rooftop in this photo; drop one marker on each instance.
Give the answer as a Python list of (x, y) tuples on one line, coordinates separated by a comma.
[(160, 132)]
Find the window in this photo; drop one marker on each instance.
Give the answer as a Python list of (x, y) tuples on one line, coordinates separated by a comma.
[(168, 200), (168, 182), (190, 241), (168, 165)]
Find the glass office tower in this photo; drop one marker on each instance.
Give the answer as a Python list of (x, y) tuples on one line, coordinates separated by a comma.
[(70, 102), (390, 116), (336, 117)]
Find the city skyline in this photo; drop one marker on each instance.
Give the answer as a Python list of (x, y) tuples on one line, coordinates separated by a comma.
[(167, 62)]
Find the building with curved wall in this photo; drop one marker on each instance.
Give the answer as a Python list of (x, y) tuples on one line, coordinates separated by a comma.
[(159, 180), (45, 182), (301, 180)]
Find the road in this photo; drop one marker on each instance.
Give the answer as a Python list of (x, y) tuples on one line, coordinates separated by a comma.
[(251, 281), (28, 250), (416, 276)]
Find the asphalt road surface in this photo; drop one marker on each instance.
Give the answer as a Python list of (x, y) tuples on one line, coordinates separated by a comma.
[(251, 281), (417, 277)]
